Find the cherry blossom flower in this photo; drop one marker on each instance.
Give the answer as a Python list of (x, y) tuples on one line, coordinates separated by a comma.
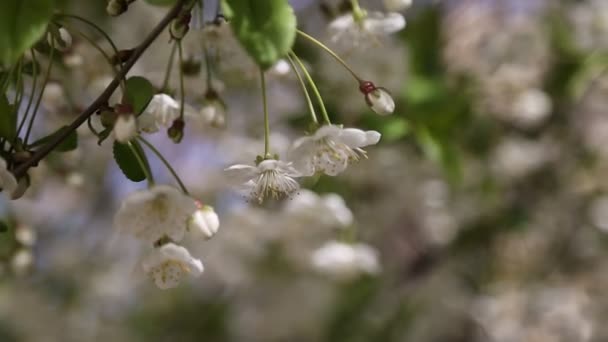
[(159, 212), (169, 263), (343, 260), (125, 128), (204, 222), (160, 112), (361, 31), (330, 149), (327, 209), (8, 183), (270, 178)]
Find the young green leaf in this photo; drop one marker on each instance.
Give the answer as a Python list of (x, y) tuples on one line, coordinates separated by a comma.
[(127, 160), (22, 23), (8, 119), (139, 93), (68, 144), (266, 29)]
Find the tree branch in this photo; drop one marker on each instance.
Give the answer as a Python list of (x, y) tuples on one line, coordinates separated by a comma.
[(42, 152)]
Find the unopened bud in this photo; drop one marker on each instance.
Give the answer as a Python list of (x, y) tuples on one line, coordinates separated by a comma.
[(60, 38), (191, 67), (107, 118), (377, 98), (117, 7), (204, 222), (176, 131), (125, 127), (213, 111)]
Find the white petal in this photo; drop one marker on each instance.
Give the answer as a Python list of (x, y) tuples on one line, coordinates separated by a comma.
[(371, 138), (384, 23), (241, 173), (353, 137), (125, 128), (204, 223), (8, 183)]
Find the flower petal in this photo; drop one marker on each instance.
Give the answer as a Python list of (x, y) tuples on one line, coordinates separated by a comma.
[(241, 173)]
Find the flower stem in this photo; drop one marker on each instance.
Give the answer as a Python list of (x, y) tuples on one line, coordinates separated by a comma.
[(144, 166), (167, 164), (181, 80), (358, 12), (312, 84), (31, 99), (311, 107), (331, 52), (266, 120), (44, 82), (164, 87)]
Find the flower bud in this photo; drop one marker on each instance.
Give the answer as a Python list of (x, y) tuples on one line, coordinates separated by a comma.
[(204, 222), (397, 5), (377, 98), (213, 111), (125, 127), (176, 131), (191, 67), (60, 38), (107, 118), (116, 7)]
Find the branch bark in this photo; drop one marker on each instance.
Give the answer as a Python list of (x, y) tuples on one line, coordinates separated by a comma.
[(42, 152)]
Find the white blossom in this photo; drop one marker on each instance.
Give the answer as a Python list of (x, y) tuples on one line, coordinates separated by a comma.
[(62, 42), (213, 113), (343, 260), (327, 209), (270, 178), (361, 32), (169, 263), (397, 5), (8, 183), (125, 128), (330, 149), (204, 222), (380, 101), (155, 213), (160, 112)]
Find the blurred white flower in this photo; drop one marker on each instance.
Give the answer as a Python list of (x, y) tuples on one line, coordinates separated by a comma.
[(213, 112), (8, 183), (161, 112), (25, 235), (348, 29), (204, 222), (270, 178), (125, 128), (22, 261), (343, 260), (397, 5), (169, 263), (155, 213), (531, 108), (330, 149), (328, 209)]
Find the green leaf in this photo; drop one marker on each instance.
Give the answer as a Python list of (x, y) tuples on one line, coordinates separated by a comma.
[(8, 119), (139, 93), (68, 144), (22, 23), (266, 29), (127, 160), (161, 2)]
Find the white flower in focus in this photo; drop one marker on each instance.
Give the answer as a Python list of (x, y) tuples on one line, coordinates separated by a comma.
[(125, 128), (270, 178), (359, 32), (331, 149), (397, 5), (169, 263), (8, 183), (204, 222), (328, 209), (344, 261), (161, 211), (160, 112)]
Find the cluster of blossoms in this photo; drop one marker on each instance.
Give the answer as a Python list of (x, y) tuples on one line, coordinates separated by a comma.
[(163, 216)]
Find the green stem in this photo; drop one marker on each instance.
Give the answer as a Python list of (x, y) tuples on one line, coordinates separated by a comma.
[(332, 53), (100, 31), (144, 166), (358, 12), (311, 107), (164, 87), (167, 164), (315, 90), (44, 82), (181, 81), (32, 93), (266, 119)]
